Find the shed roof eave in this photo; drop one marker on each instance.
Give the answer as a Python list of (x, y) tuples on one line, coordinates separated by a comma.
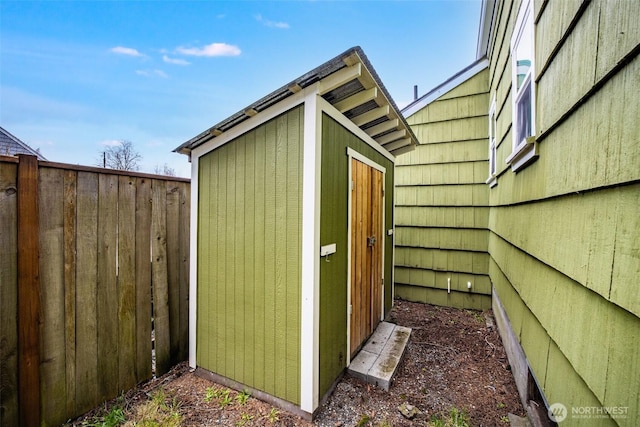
[(348, 58)]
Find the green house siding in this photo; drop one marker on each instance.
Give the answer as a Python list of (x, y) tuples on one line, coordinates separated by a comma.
[(249, 264), (442, 201), (564, 232), (334, 229)]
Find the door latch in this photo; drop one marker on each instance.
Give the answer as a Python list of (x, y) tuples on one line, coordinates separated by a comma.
[(371, 241)]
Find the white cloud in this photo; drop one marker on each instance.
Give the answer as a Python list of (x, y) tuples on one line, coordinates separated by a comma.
[(111, 143), (129, 51), (176, 61), (152, 73), (213, 49), (272, 24)]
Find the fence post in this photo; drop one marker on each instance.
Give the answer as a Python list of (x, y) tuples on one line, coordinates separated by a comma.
[(28, 293)]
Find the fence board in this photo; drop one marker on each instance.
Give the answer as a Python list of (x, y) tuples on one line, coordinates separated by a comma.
[(159, 276), (173, 266), (28, 293), (69, 214), (126, 282), (86, 286), (107, 288), (52, 329), (143, 279), (8, 294), (185, 218)]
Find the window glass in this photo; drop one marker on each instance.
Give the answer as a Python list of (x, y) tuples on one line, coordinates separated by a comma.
[(524, 123), (522, 50)]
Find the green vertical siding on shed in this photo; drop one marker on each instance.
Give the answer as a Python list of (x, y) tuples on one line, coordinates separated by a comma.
[(334, 229), (249, 265), (442, 201), (564, 231)]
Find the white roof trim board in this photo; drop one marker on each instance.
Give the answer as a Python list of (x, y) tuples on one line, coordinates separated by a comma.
[(349, 83), (487, 11), (457, 79)]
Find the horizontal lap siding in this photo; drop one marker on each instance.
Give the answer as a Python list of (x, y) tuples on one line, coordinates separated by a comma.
[(442, 201), (565, 230), (248, 326)]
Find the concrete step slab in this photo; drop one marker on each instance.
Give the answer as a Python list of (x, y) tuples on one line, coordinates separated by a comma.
[(378, 361)]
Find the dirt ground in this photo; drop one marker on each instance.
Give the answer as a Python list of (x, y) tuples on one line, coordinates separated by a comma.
[(454, 360)]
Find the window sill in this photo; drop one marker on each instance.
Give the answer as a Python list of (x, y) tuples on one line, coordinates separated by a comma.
[(525, 153), (492, 181)]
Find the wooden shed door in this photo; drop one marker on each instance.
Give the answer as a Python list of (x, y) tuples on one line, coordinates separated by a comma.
[(367, 241)]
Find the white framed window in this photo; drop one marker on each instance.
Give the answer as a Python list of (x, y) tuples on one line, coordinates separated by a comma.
[(523, 88), (492, 180)]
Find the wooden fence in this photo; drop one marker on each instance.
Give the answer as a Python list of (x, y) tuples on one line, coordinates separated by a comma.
[(90, 261)]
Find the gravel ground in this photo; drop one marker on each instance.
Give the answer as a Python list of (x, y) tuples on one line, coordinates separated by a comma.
[(454, 360)]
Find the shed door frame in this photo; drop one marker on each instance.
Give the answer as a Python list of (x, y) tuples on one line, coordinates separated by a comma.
[(353, 154)]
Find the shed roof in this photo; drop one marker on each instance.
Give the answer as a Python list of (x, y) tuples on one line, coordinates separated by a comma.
[(12, 146), (348, 82)]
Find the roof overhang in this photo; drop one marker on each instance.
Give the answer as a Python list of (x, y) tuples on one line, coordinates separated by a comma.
[(455, 80), (487, 11), (349, 83)]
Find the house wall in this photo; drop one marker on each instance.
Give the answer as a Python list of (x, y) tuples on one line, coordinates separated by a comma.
[(442, 201), (249, 262), (334, 229), (564, 232)]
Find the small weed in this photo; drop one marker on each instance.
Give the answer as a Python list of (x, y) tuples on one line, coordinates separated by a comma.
[(455, 418), (113, 418), (504, 419), (243, 397), (477, 315), (364, 420), (214, 393), (209, 394), (226, 399), (384, 423), (459, 418), (244, 419), (273, 415), (160, 410), (500, 405)]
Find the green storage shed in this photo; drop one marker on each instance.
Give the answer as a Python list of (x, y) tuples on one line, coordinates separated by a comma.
[(292, 233)]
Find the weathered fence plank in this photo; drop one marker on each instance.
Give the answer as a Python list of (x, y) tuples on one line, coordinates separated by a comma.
[(159, 276), (28, 293), (126, 282), (69, 214), (183, 251), (107, 293), (8, 294), (86, 285), (52, 298), (143, 279), (173, 267)]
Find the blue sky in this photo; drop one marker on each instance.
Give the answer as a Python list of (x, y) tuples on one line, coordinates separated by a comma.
[(77, 75)]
